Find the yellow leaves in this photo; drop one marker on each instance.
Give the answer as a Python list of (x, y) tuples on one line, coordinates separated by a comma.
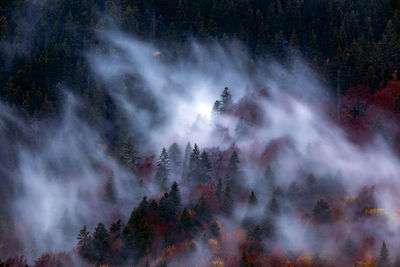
[(348, 199), (221, 228), (103, 265), (375, 211), (218, 263), (169, 252), (191, 213), (214, 245)]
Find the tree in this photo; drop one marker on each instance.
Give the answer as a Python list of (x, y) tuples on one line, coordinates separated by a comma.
[(175, 157), (116, 228), (384, 260), (273, 206), (233, 172), (252, 199), (205, 168), (293, 191), (128, 154), (186, 221), (219, 190), (186, 161), (226, 101), (175, 195), (217, 107), (322, 211), (227, 202), (203, 213), (101, 247), (167, 209), (85, 243), (195, 165), (349, 247), (162, 170), (110, 193), (244, 261)]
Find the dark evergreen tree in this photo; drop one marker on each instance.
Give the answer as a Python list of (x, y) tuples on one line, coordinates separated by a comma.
[(384, 260), (128, 154), (252, 199), (167, 208), (205, 173), (115, 229), (110, 193), (101, 246), (233, 173), (203, 213), (219, 190), (244, 261), (186, 223), (175, 195), (195, 165), (349, 247), (322, 211), (273, 206), (85, 248), (227, 202)]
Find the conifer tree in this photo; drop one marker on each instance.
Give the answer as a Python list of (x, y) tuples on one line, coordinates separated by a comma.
[(227, 202), (219, 190), (383, 260), (162, 170)]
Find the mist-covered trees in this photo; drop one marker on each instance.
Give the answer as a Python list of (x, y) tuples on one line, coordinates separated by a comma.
[(322, 211), (162, 170)]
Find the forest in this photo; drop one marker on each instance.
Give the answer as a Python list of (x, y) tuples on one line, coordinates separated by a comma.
[(204, 133)]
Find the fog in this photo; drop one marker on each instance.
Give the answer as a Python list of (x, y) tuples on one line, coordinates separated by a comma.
[(61, 165)]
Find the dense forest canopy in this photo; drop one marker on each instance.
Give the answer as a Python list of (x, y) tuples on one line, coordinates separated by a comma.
[(209, 133)]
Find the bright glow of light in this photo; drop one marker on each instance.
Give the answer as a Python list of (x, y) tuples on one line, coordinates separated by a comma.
[(203, 110)]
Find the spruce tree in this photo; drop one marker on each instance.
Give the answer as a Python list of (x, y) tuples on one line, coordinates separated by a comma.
[(383, 260), (175, 195), (162, 170), (219, 190), (252, 199), (227, 202), (233, 174), (85, 243)]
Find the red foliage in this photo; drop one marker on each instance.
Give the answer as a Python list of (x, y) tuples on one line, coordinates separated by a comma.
[(145, 169)]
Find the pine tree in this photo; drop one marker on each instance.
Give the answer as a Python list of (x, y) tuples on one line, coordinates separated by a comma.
[(110, 194), (162, 170), (244, 262), (186, 161), (219, 190), (100, 243), (85, 244), (175, 195), (227, 202), (233, 172), (226, 101), (185, 222), (167, 210), (273, 206), (195, 165), (321, 211), (349, 247), (383, 260), (175, 157), (205, 168), (252, 199), (203, 213), (116, 228), (128, 154)]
